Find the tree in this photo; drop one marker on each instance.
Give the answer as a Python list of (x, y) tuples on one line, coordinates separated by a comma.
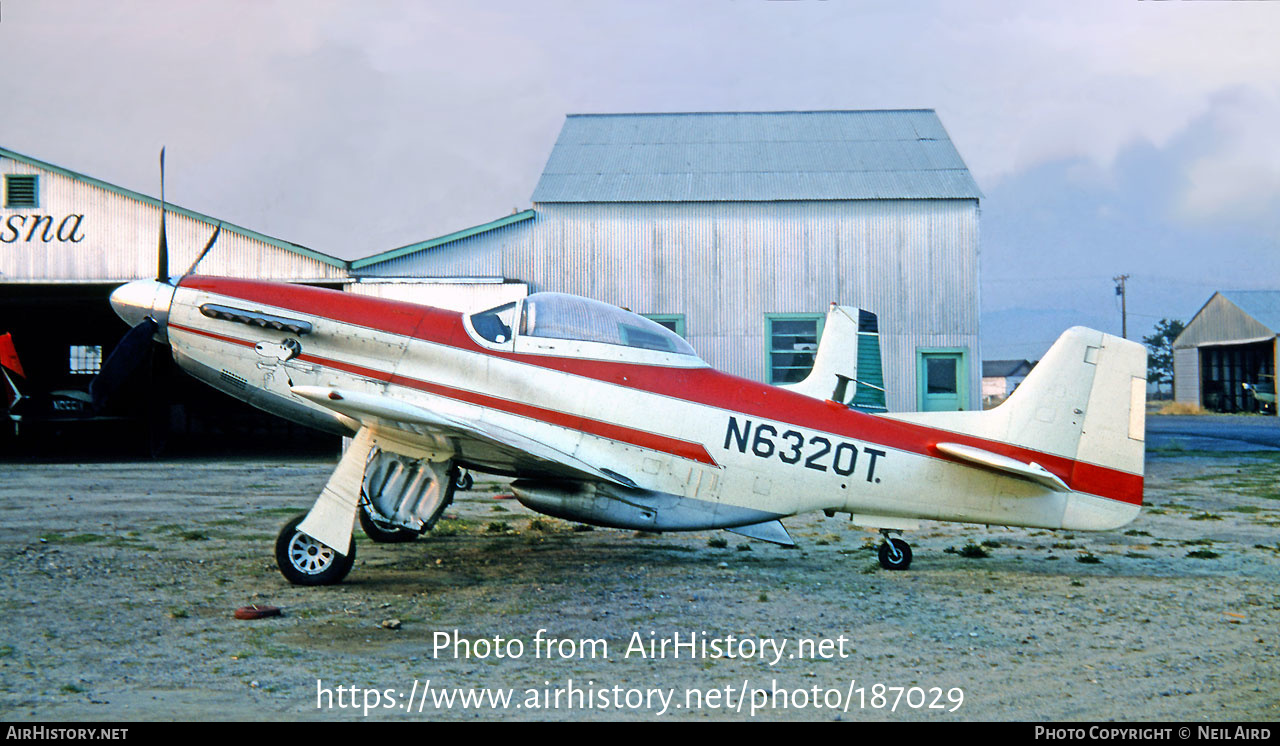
[(1160, 344)]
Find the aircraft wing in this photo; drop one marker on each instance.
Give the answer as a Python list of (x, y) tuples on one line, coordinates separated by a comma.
[(465, 437)]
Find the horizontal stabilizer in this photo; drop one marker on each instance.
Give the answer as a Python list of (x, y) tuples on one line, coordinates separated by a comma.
[(770, 531), (1032, 472)]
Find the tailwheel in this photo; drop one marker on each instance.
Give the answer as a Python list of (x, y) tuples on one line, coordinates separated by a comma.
[(895, 554), (382, 534), (304, 561)]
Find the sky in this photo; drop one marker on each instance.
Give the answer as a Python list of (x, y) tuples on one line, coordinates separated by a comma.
[(1108, 136)]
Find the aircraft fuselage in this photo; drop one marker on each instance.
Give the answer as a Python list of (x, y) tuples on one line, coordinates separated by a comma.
[(704, 448)]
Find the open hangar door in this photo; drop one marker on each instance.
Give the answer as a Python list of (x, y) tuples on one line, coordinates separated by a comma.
[(62, 334), (1228, 373)]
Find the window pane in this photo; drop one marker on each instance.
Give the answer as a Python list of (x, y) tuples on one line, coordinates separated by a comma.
[(495, 324), (941, 375), (792, 347), (85, 359), (561, 316)]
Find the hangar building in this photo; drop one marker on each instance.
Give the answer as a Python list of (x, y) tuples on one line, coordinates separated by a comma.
[(1225, 359), (66, 241), (739, 229)]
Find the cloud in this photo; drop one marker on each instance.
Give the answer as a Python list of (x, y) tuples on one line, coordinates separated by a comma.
[(1239, 178), (354, 127)]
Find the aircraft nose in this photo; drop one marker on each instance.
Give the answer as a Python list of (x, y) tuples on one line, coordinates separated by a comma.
[(135, 301)]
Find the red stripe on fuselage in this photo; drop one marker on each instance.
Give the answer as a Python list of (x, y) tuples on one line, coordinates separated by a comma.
[(704, 386), (642, 438)]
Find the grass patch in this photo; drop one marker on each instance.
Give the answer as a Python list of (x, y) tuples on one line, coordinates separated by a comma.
[(717, 542), (450, 527), (1088, 558), (55, 536), (970, 550), (1206, 517), (1177, 407), (291, 512), (1203, 554)]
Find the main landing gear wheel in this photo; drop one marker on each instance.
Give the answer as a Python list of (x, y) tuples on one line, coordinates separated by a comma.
[(895, 554), (304, 561), (383, 535)]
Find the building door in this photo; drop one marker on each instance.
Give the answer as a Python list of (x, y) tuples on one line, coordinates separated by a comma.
[(941, 381)]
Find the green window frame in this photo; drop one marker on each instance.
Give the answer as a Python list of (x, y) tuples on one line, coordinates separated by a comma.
[(21, 190), (673, 321), (791, 345), (962, 374)]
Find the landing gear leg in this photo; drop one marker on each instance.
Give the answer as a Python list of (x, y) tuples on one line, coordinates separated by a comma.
[(895, 554)]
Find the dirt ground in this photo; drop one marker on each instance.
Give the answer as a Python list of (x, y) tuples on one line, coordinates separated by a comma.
[(120, 580)]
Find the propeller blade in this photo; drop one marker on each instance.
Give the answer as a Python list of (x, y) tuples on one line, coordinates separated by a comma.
[(162, 254), (207, 246), (128, 355)]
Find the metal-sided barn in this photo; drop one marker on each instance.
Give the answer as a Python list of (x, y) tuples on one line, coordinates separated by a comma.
[(738, 230)]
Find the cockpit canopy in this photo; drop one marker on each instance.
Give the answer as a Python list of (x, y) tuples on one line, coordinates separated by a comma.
[(563, 316)]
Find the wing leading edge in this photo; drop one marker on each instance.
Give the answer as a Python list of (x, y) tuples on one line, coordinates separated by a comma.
[(387, 412), (1031, 472)]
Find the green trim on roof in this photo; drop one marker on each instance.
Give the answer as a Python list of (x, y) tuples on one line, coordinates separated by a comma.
[(169, 206), (387, 256)]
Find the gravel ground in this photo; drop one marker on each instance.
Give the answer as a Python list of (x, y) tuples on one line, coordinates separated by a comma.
[(121, 578)]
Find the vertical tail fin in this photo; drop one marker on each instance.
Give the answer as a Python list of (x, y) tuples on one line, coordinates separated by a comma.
[(1079, 414), (846, 366), (1085, 400)]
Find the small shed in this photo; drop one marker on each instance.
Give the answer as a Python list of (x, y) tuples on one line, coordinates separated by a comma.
[(1001, 377)]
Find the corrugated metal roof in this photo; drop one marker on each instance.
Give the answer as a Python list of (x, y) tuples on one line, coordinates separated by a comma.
[(1262, 305), (1006, 368), (1233, 317), (754, 156), (278, 243), (387, 256)]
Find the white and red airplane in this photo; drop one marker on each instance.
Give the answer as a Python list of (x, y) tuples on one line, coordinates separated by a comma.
[(608, 418)]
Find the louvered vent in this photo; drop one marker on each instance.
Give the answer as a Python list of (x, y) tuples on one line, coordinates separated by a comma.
[(21, 190), (234, 380)]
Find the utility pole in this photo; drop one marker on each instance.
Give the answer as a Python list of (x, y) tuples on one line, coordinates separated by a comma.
[(1124, 312)]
